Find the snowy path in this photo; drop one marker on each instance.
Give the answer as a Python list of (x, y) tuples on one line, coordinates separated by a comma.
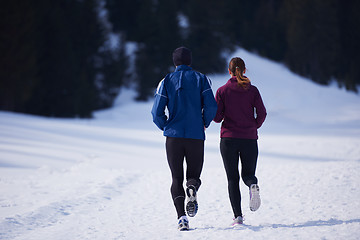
[(322, 206), (311, 196)]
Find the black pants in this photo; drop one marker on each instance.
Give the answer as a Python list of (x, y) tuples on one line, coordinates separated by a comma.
[(193, 151), (231, 149)]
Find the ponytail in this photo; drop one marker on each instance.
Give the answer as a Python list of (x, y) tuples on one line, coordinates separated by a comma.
[(237, 68)]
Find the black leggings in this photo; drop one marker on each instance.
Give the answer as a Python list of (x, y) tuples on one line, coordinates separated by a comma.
[(193, 151), (231, 149)]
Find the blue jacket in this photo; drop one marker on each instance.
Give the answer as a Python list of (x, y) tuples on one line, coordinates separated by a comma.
[(191, 105)]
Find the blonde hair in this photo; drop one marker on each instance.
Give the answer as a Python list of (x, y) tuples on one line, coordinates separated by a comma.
[(237, 68)]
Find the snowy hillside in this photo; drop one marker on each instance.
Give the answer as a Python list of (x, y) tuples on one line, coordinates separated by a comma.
[(108, 178)]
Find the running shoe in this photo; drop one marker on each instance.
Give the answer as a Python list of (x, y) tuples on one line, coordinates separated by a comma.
[(191, 205), (254, 197), (183, 224), (237, 221)]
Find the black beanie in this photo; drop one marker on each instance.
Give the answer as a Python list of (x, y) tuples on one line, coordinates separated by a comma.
[(182, 56)]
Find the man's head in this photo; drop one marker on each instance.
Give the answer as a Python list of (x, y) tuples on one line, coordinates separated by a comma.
[(182, 56)]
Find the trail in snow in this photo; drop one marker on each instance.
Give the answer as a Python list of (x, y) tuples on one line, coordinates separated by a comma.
[(320, 198)]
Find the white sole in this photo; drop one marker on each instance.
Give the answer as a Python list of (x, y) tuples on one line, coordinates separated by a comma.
[(255, 201)]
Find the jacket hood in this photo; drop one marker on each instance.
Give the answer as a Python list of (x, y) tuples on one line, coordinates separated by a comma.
[(181, 70), (233, 84)]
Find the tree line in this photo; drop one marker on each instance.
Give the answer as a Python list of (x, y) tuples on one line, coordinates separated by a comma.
[(56, 57)]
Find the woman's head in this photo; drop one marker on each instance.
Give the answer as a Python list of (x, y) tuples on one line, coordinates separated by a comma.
[(237, 68)]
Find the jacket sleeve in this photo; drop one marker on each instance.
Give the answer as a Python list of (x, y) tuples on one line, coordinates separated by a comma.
[(160, 103), (209, 103), (221, 107), (260, 109)]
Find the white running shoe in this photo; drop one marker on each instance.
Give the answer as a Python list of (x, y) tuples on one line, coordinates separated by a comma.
[(191, 205), (254, 197), (183, 224), (237, 221)]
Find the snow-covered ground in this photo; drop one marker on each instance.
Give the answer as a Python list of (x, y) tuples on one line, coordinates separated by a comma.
[(107, 178)]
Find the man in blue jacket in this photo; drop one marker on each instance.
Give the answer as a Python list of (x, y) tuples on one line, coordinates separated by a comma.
[(191, 106)]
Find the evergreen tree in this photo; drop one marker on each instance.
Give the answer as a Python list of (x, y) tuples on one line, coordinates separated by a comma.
[(244, 22), (70, 36), (51, 63), (158, 35), (123, 14), (112, 67), (18, 58), (206, 39), (348, 71), (269, 29), (313, 38)]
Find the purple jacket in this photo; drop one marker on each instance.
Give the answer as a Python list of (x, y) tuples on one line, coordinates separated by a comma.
[(237, 108)]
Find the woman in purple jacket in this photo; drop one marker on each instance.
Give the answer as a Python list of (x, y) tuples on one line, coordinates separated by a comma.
[(242, 112)]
